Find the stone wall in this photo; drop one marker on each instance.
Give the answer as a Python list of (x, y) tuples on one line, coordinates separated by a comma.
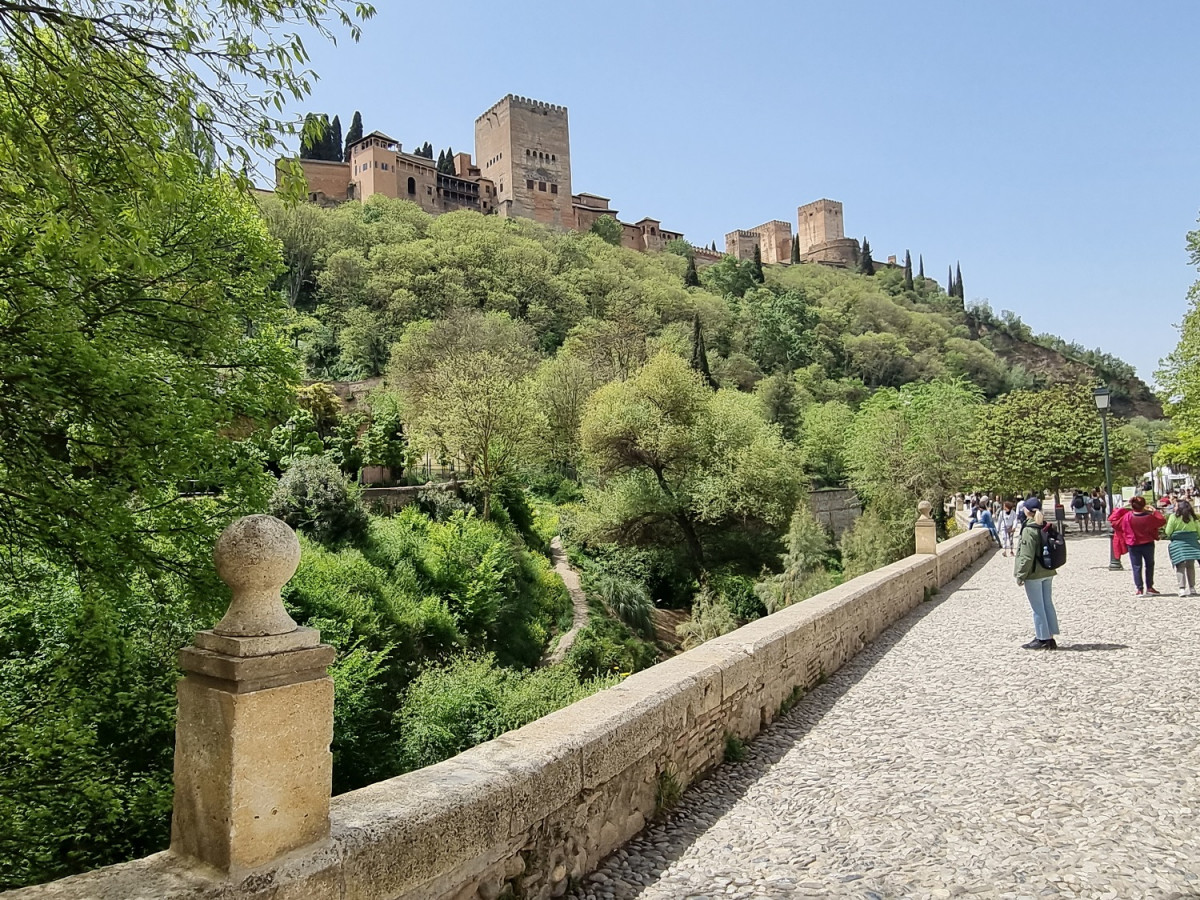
[(835, 508), (546, 803)]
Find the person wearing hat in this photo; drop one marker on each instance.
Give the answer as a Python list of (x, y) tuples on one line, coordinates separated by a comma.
[(1036, 579)]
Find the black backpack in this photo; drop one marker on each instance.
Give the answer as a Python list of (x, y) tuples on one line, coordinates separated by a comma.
[(1054, 549)]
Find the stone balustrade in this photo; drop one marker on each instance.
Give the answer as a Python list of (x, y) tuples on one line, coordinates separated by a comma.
[(526, 812)]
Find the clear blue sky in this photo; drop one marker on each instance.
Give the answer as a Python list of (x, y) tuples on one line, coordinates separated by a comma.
[(1051, 147)]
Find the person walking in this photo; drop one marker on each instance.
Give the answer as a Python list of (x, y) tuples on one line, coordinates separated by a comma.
[(1097, 509), (1079, 508), (1006, 524), (1139, 527), (1037, 580), (1183, 532)]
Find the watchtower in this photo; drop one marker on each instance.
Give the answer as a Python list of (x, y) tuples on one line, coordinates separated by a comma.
[(819, 222), (524, 147)]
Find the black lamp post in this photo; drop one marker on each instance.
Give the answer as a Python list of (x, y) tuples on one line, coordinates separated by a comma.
[(1103, 399)]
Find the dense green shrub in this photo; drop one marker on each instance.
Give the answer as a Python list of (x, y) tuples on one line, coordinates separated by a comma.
[(315, 498), (737, 591), (471, 699), (606, 646), (710, 618)]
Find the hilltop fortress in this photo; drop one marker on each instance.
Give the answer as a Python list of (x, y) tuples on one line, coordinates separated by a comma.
[(522, 167)]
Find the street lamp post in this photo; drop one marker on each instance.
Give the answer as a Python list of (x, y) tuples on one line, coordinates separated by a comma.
[(1103, 398)]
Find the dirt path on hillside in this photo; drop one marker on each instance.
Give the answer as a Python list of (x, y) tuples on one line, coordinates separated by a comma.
[(558, 556)]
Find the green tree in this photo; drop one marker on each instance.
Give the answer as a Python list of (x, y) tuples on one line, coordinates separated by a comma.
[(1048, 438), (824, 430), (778, 327), (315, 497), (335, 140), (354, 135), (913, 444), (608, 229), (757, 268), (958, 285), (221, 70), (796, 249), (951, 290), (805, 564), (675, 458), (921, 267), (563, 385), (1178, 375), (730, 277), (691, 278), (310, 137), (866, 265), (468, 382), (699, 359), (908, 276), (300, 230)]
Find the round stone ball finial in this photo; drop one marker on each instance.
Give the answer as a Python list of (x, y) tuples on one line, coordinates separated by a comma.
[(255, 556), (923, 508)]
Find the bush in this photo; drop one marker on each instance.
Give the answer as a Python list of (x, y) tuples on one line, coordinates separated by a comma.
[(627, 600), (607, 647), (452, 707), (315, 498), (440, 504), (738, 593)]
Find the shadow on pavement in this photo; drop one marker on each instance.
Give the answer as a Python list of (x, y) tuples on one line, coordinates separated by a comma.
[(1083, 648)]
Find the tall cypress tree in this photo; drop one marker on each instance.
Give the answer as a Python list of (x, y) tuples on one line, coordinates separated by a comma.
[(796, 249), (335, 140), (353, 136), (950, 282), (866, 265), (758, 269), (441, 163), (714, 246), (308, 141), (699, 355), (450, 162), (908, 282), (327, 151), (921, 267), (691, 278), (958, 281)]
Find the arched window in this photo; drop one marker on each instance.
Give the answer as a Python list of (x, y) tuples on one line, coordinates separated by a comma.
[(412, 185)]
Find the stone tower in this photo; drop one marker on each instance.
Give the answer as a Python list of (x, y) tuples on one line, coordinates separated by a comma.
[(524, 147), (819, 222), (822, 234)]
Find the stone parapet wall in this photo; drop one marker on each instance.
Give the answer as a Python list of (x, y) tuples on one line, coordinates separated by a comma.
[(546, 803)]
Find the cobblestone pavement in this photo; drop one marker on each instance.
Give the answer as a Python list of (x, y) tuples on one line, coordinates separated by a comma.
[(945, 761)]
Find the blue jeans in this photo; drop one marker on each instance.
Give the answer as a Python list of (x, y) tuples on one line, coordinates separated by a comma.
[(1142, 555), (1045, 616)]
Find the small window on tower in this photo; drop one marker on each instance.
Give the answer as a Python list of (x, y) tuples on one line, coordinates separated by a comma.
[(554, 188), (542, 186), (529, 184)]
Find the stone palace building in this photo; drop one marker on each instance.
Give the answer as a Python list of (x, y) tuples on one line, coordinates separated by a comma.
[(522, 167)]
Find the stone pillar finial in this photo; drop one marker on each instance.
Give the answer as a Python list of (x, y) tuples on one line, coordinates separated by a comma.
[(926, 529), (253, 771), (255, 556)]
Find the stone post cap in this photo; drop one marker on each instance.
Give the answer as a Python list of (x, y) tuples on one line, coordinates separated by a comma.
[(255, 556), (923, 508)]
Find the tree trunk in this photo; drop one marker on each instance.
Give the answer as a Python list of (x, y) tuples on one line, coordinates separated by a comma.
[(685, 525)]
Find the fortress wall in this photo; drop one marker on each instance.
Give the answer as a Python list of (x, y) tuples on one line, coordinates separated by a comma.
[(546, 803)]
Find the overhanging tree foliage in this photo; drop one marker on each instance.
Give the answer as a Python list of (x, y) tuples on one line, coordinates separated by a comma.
[(218, 72)]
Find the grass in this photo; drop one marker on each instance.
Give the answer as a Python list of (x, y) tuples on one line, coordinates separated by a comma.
[(668, 792), (735, 749)]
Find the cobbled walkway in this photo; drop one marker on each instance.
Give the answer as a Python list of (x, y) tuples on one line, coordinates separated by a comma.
[(945, 761)]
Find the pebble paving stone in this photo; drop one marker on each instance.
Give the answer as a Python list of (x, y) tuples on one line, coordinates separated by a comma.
[(946, 761)]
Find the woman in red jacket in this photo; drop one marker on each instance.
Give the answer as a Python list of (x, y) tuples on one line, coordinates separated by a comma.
[(1140, 527)]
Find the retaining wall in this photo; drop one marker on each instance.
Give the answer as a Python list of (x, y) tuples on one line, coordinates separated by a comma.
[(546, 803)]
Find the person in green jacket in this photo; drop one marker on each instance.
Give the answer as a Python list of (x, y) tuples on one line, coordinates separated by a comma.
[(1036, 580), (1183, 531)]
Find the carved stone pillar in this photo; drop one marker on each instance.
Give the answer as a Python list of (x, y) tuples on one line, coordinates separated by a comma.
[(253, 771)]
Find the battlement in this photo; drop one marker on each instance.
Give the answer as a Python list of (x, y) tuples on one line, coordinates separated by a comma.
[(524, 101)]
